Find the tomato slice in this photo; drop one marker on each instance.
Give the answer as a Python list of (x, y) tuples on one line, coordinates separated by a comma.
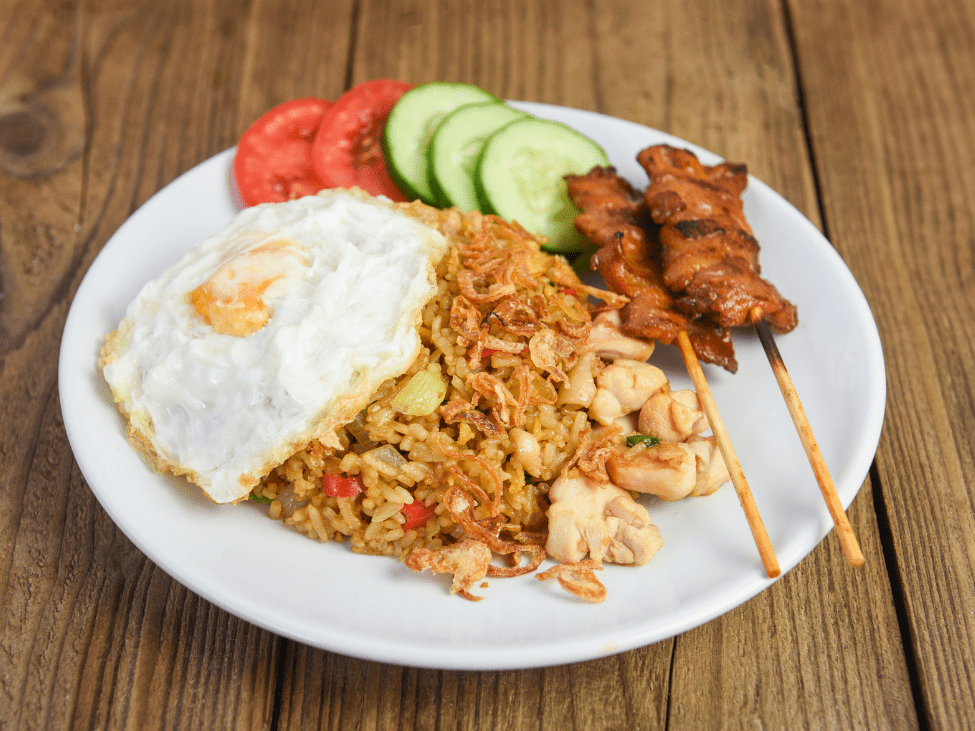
[(273, 159), (347, 150)]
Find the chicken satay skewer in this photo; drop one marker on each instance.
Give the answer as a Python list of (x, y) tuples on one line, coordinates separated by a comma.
[(723, 441), (711, 258), (844, 531), (609, 206)]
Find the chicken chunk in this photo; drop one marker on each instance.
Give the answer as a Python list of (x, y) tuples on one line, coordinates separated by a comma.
[(672, 416), (580, 389), (712, 472), (604, 522), (608, 342), (670, 470), (623, 387)]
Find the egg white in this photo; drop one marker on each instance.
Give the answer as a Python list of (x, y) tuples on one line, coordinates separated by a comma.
[(224, 409)]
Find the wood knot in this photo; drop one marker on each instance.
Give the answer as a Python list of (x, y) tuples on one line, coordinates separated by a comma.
[(28, 135), (22, 133)]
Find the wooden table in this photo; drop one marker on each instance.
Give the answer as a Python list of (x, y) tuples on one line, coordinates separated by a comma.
[(859, 113)]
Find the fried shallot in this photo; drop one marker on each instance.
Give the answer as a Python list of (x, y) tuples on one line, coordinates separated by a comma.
[(578, 579)]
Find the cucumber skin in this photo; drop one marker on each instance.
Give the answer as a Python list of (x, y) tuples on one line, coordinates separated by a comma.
[(393, 162), (442, 196), (572, 241)]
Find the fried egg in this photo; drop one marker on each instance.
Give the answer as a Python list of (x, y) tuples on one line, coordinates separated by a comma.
[(270, 334)]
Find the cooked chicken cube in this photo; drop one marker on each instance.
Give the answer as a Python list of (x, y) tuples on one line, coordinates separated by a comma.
[(672, 416), (528, 452), (670, 470), (712, 472), (604, 522), (623, 387), (580, 389), (608, 342)]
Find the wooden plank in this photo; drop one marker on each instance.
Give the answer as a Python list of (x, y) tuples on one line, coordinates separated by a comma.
[(516, 51), (820, 649), (898, 183), (94, 635), (324, 690), (721, 75), (540, 51), (101, 104)]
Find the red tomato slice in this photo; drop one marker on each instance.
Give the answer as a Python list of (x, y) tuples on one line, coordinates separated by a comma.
[(273, 160), (347, 150)]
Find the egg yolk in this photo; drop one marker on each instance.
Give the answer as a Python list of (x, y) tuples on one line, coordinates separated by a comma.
[(232, 300)]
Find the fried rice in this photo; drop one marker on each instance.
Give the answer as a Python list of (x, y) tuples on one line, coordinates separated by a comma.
[(500, 336)]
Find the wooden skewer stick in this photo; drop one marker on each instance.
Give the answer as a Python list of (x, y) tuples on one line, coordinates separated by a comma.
[(752, 515), (843, 529)]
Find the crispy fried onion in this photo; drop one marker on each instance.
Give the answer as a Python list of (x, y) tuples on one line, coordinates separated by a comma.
[(468, 561), (496, 393), (548, 350), (461, 509), (460, 499), (517, 316), (576, 322), (457, 410), (506, 402), (465, 319), (487, 253), (578, 579), (477, 287), (595, 447), (475, 489), (505, 285)]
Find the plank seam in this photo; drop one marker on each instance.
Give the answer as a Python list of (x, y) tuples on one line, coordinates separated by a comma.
[(899, 597), (670, 682), (804, 116), (279, 675), (353, 42)]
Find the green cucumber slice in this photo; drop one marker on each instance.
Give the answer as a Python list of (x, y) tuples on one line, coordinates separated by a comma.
[(455, 146), (520, 177), (411, 124)]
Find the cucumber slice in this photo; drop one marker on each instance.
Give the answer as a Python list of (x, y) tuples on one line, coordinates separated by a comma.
[(410, 126), (520, 177), (455, 147)]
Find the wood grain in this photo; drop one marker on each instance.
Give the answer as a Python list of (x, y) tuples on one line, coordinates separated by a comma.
[(731, 87), (897, 186), (820, 649), (324, 690), (858, 113)]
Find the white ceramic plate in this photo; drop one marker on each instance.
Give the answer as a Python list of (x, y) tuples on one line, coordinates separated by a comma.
[(375, 608)]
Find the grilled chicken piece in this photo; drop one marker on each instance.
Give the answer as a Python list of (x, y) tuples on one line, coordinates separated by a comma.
[(710, 256), (614, 217)]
